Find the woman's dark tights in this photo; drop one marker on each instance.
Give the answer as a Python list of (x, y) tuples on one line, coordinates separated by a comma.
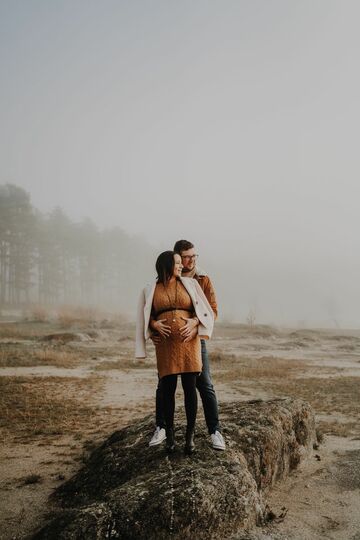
[(168, 384)]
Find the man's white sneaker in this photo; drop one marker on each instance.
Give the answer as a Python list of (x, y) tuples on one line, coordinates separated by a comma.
[(158, 437), (217, 441)]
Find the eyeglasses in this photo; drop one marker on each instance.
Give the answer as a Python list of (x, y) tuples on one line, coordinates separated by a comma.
[(189, 257)]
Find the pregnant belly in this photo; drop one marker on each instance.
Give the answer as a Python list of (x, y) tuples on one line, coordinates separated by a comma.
[(174, 320)]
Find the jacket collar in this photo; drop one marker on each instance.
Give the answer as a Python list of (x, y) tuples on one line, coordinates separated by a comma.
[(200, 272)]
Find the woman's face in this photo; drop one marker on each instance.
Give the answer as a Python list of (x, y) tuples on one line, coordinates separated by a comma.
[(178, 266)]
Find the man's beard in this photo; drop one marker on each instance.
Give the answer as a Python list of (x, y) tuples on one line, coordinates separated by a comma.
[(189, 273)]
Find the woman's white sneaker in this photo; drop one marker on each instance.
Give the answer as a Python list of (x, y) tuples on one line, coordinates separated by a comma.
[(217, 441), (158, 437)]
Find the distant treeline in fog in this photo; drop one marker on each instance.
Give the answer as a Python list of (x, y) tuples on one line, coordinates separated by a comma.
[(49, 259)]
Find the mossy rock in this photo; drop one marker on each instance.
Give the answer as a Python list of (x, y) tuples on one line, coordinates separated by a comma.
[(130, 491)]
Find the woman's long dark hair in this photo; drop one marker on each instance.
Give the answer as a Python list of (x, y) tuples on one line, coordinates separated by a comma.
[(165, 266)]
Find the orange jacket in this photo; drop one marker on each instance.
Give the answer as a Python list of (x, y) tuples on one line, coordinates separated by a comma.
[(206, 285)]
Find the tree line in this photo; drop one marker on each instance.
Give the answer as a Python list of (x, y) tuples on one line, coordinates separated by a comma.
[(49, 259)]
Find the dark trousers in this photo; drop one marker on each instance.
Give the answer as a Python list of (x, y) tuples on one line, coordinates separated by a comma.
[(168, 385), (207, 393)]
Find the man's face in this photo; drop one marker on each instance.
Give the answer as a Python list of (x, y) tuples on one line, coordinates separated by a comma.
[(188, 258)]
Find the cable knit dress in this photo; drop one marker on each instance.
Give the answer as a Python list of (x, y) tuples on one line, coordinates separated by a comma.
[(172, 354)]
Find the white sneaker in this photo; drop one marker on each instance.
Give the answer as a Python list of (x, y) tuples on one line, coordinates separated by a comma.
[(217, 441), (158, 437)]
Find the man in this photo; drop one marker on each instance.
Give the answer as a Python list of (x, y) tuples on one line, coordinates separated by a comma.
[(204, 383)]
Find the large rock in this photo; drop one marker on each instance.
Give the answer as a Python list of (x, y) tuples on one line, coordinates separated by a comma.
[(130, 491)]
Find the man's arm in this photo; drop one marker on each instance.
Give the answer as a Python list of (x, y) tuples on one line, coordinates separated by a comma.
[(209, 292), (191, 324)]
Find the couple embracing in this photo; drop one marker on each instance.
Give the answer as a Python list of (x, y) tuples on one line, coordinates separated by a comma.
[(177, 312)]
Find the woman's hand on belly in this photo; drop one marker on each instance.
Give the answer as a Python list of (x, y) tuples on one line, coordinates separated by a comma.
[(163, 329)]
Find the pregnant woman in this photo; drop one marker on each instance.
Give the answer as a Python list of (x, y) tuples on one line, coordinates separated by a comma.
[(163, 308)]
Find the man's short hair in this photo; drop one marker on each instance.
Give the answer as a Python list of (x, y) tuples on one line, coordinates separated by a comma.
[(182, 245)]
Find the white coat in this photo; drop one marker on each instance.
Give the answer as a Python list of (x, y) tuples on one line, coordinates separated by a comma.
[(201, 305)]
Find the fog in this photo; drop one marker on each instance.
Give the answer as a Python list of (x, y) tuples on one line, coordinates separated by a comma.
[(232, 124)]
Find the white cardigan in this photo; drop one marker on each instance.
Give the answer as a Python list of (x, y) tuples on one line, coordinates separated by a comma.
[(201, 305)]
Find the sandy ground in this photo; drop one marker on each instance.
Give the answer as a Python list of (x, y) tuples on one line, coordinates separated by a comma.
[(321, 498)]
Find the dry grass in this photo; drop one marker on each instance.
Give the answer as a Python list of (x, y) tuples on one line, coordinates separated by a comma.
[(348, 347), (17, 331), (39, 313), (14, 357), (19, 357), (125, 363), (32, 330), (332, 395), (240, 331), (70, 315), (230, 367), (281, 377), (45, 406), (58, 358), (339, 429), (222, 359), (28, 330)]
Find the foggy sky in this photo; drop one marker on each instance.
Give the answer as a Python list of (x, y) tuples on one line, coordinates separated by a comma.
[(234, 124)]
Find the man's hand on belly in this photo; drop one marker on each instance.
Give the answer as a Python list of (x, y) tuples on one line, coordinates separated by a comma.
[(189, 326), (155, 338), (191, 335)]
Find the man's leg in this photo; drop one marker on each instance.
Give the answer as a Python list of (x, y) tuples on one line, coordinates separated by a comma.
[(188, 381), (190, 398), (205, 386), (209, 401)]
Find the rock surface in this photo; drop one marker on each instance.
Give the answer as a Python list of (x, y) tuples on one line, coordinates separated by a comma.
[(130, 491)]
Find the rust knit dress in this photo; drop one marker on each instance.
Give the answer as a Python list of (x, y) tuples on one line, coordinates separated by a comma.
[(172, 354)]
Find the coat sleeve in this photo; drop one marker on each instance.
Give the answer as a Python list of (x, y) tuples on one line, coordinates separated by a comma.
[(200, 293), (140, 349)]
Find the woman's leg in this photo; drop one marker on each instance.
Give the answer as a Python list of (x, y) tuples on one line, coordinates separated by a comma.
[(160, 420), (188, 381), (168, 385)]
